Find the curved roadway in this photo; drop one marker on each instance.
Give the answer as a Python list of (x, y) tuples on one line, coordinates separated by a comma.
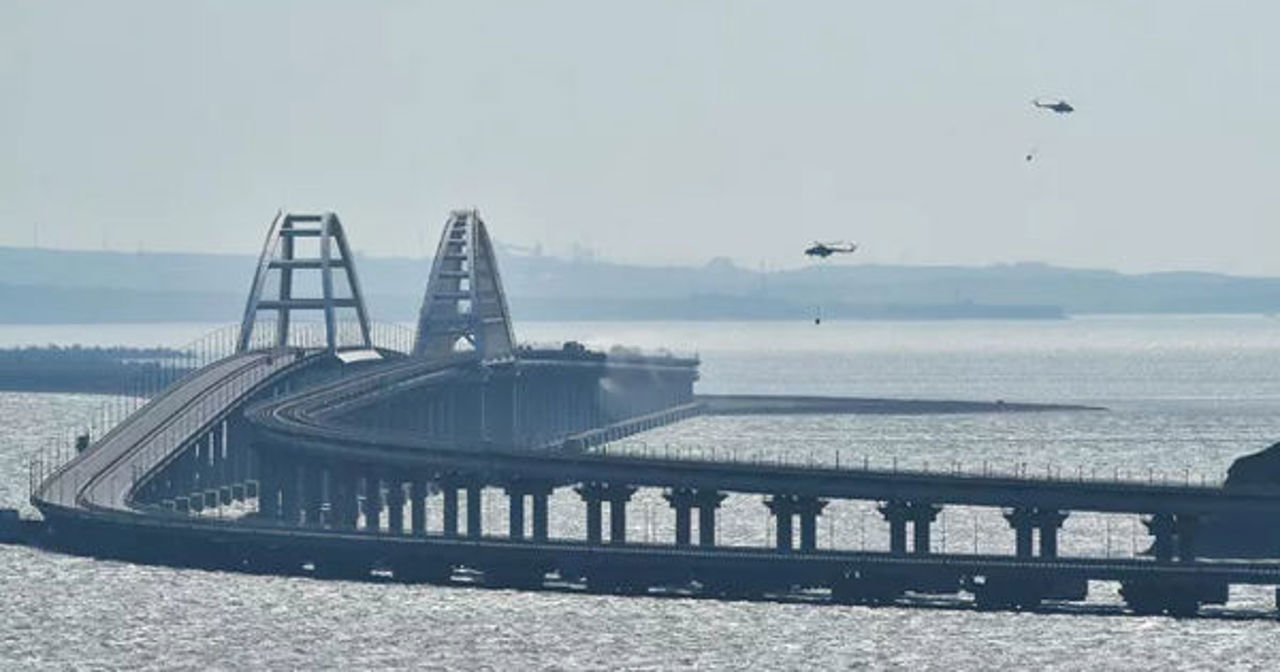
[(98, 483), (102, 477), (305, 420)]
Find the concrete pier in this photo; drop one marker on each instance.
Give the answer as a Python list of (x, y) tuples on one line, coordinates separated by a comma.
[(540, 497), (1049, 523), (290, 495), (593, 494), (683, 501), (1022, 520), (1161, 527), (707, 502), (449, 509), (923, 515), (395, 506), (1186, 528), (418, 507), (1027, 521), (538, 493), (515, 515), (784, 509), (372, 503), (897, 513), (269, 489), (313, 494), (342, 497), (475, 530), (919, 514)]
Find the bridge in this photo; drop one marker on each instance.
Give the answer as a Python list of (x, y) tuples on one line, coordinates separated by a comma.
[(318, 458)]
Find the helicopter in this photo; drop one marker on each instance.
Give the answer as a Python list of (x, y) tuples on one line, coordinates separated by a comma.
[(824, 250), (1057, 105)]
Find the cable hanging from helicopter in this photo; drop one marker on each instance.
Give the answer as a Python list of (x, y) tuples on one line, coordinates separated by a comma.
[(1058, 106), (822, 251)]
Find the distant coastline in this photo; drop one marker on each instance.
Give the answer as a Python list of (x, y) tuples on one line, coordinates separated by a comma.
[(115, 287), (75, 369)]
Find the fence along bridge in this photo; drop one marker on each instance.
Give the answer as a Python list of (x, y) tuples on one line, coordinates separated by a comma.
[(325, 447)]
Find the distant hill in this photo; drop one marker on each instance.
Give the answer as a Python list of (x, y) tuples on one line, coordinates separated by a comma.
[(49, 286)]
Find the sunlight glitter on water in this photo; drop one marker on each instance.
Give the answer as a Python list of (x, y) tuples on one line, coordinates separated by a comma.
[(1186, 396)]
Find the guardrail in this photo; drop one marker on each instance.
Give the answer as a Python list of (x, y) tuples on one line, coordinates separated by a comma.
[(849, 461)]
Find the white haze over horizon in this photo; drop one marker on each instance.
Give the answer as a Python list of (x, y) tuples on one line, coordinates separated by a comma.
[(655, 133)]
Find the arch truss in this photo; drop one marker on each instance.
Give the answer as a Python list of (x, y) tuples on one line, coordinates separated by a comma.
[(465, 306), (280, 255)]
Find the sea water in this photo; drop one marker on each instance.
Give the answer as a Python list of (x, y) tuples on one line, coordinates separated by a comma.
[(1185, 395)]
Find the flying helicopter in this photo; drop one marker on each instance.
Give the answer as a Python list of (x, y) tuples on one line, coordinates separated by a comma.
[(1056, 104), (824, 250)]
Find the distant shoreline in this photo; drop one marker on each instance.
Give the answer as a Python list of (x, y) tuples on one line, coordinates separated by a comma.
[(89, 370), (748, 404), (113, 287)]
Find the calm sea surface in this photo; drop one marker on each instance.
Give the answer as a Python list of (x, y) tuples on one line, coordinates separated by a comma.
[(1186, 396)]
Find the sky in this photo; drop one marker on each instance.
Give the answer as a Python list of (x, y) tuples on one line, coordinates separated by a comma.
[(653, 132)]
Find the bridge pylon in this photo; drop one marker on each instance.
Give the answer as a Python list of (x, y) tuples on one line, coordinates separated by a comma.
[(280, 256), (465, 306)]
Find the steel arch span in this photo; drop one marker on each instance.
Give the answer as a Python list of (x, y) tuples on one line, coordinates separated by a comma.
[(465, 306)]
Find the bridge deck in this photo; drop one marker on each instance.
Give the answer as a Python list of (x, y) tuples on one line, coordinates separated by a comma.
[(103, 476), (299, 422), (95, 490)]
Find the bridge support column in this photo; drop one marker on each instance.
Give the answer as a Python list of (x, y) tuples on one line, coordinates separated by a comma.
[(290, 500), (1023, 522), (268, 488), (707, 502), (418, 507), (1049, 521), (923, 515), (594, 523), (372, 503), (1185, 526), (474, 527), (1026, 521), (920, 514), (617, 495), (809, 508), (313, 493), (538, 493), (1161, 526), (225, 461), (540, 513), (681, 500), (783, 508), (897, 512), (395, 506), (342, 496), (449, 524), (515, 516), (196, 458), (237, 457)]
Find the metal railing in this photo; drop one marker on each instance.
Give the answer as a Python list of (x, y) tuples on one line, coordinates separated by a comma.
[(45, 459), (851, 461)]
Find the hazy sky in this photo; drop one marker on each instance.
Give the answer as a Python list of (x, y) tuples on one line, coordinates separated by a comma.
[(653, 131)]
